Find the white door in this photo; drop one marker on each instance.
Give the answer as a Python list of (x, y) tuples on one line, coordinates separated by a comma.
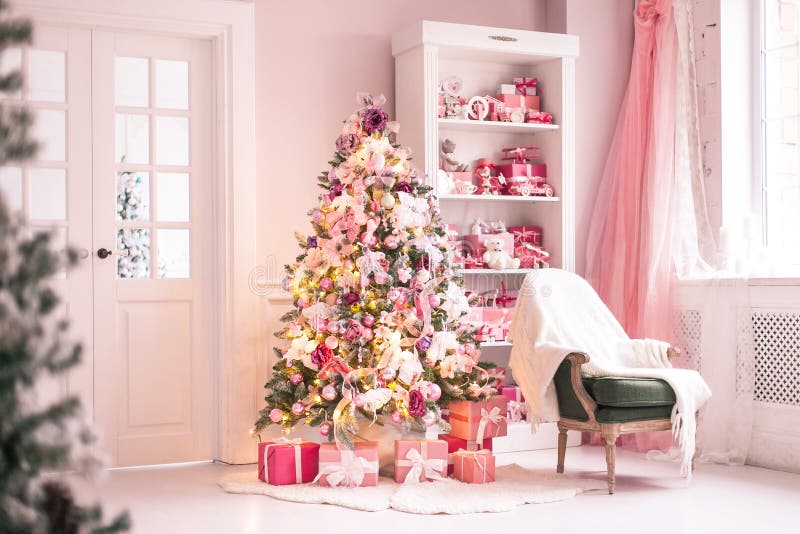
[(125, 167), (151, 166)]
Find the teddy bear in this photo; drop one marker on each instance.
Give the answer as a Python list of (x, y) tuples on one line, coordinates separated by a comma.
[(448, 162), (496, 257)]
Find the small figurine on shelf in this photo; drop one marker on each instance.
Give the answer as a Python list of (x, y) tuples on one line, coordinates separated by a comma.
[(453, 102), (525, 179), (496, 257), (447, 160), (496, 108), (490, 185), (477, 108)]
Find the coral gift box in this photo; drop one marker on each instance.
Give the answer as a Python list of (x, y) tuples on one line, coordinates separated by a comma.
[(418, 460), (479, 420), (348, 468), (456, 444), (474, 467), (287, 462)]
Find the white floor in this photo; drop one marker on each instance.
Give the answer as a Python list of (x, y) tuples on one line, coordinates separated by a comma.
[(650, 498)]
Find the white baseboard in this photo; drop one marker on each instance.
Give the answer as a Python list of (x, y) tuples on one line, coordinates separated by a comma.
[(775, 442)]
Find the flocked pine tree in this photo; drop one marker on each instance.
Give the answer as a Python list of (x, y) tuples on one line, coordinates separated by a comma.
[(35, 438), (379, 321)]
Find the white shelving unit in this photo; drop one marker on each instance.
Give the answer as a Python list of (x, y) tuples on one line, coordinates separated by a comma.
[(426, 53)]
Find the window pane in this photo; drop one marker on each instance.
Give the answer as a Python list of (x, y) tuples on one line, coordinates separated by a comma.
[(172, 140), (782, 155), (172, 84), (133, 138), (133, 196), (131, 81), (783, 217), (10, 61), (50, 130), (780, 86), (780, 18), (173, 253), (133, 246), (46, 76), (47, 194), (11, 187), (173, 196)]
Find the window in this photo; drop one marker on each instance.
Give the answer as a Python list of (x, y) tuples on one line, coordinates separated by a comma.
[(780, 151)]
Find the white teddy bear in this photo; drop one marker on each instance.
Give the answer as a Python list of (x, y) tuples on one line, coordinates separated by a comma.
[(496, 257)]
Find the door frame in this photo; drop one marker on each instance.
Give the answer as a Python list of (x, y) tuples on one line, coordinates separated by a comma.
[(229, 26)]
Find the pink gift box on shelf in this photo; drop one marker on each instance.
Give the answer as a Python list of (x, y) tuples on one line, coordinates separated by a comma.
[(526, 234), (474, 243), (473, 467), (419, 460), (519, 101), (525, 85), (479, 420), (287, 462), (348, 468), (455, 444), (529, 170)]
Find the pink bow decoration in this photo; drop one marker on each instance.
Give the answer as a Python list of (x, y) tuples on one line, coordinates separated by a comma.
[(432, 468), (523, 84)]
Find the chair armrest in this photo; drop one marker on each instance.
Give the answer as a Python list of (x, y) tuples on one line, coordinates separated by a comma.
[(673, 352), (576, 359)]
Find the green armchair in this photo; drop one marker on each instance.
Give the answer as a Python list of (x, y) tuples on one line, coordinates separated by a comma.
[(610, 406)]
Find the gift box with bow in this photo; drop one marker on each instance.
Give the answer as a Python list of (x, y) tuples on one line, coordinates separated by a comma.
[(522, 102), (479, 420), (525, 86), (526, 234), (419, 460), (348, 468), (454, 444), (474, 467), (282, 462)]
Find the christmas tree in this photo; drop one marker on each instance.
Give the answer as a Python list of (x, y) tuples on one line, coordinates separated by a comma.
[(37, 440), (379, 325)]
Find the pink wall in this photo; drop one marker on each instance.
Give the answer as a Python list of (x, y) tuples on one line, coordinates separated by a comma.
[(318, 53)]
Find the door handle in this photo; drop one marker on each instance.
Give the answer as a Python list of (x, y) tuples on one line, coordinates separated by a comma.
[(103, 253), (83, 253)]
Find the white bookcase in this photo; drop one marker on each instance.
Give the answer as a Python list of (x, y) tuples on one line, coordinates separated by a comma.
[(426, 53)]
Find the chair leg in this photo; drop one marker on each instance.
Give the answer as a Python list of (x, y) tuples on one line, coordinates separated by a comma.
[(610, 434), (562, 448)]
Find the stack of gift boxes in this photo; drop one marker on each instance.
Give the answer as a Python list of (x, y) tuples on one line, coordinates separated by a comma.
[(521, 242), (512, 102), (465, 453)]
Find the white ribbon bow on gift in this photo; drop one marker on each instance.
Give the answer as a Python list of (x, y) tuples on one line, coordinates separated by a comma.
[(492, 416), (348, 472), (298, 462), (432, 468)]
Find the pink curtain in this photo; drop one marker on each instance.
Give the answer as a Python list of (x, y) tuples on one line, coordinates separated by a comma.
[(629, 246)]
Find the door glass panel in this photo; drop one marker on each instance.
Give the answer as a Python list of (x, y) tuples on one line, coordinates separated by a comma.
[(50, 129), (47, 194), (173, 196), (131, 81), (10, 61), (133, 196), (11, 187), (172, 84), (133, 138), (172, 140), (133, 249), (46, 76), (173, 253)]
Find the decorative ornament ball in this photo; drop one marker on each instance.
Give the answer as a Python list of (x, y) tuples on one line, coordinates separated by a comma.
[(371, 241), (333, 327), (276, 415), (387, 373), (387, 201), (397, 417), (368, 320), (329, 392), (424, 275), (359, 400), (348, 264), (391, 241), (325, 428), (298, 408), (331, 299), (434, 301), (295, 378), (366, 335), (434, 391), (429, 418), (326, 284), (331, 342)]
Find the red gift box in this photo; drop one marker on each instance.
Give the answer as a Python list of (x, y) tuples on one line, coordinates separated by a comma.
[(418, 460), (525, 86), (348, 468), (474, 467), (283, 462), (455, 444), (519, 101), (479, 420), (531, 256), (526, 234), (529, 170), (475, 247)]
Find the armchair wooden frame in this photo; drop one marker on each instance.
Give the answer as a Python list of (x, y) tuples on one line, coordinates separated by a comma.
[(609, 431)]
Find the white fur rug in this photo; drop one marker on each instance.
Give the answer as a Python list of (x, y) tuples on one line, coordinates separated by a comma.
[(514, 486)]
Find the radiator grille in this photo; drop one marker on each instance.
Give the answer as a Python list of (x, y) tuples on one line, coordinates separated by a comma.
[(777, 356), (688, 335)]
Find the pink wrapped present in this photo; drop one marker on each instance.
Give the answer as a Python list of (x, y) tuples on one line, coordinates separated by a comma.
[(519, 102), (455, 444), (479, 420), (525, 86), (531, 256), (473, 467), (512, 393), (529, 170), (538, 117), (282, 462), (526, 234), (475, 247), (348, 468), (419, 460)]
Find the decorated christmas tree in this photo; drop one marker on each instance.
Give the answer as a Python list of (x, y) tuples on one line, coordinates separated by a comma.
[(379, 320)]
